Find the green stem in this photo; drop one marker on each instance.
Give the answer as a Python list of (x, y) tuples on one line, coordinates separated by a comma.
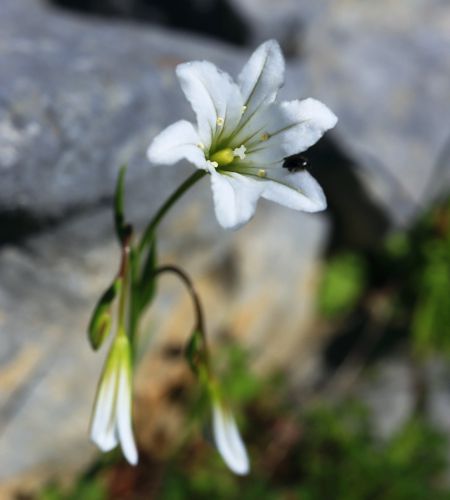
[(134, 308), (134, 313), (199, 317), (125, 288), (148, 233)]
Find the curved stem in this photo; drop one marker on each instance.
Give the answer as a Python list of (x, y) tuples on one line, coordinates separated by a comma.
[(200, 322), (148, 233), (124, 272)]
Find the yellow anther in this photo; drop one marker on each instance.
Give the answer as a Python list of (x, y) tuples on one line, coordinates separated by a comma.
[(201, 146), (219, 121), (262, 173), (244, 109), (222, 157), (265, 136)]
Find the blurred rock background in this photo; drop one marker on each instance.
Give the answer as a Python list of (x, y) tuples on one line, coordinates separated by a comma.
[(84, 86)]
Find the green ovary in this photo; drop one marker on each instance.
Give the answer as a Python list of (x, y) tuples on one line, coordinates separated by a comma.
[(222, 157)]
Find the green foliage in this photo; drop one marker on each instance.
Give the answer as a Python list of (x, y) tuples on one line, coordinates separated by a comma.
[(410, 271), (146, 287), (85, 489), (343, 282), (119, 202), (241, 385), (100, 323), (333, 455), (419, 262), (346, 462), (431, 319), (325, 452)]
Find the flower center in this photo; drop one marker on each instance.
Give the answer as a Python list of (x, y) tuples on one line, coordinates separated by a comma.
[(226, 156), (222, 157)]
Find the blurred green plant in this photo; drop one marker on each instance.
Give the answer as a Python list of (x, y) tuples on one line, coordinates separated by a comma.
[(325, 451), (431, 318), (84, 489), (419, 263), (411, 270), (331, 454), (342, 284)]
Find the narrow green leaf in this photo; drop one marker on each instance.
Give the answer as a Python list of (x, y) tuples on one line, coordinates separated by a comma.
[(147, 283), (119, 197), (100, 324)]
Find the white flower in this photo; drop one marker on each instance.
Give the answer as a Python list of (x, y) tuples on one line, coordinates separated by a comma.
[(111, 422), (242, 136), (228, 440)]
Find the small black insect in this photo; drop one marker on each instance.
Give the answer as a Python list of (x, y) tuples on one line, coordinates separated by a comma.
[(296, 163)]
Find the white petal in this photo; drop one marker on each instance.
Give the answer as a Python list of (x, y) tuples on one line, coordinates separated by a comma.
[(124, 414), (179, 140), (299, 191), (262, 76), (235, 198), (103, 422), (293, 127), (228, 440), (214, 97)]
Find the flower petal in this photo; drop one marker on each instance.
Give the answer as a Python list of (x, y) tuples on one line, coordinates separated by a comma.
[(262, 76), (214, 97), (293, 127), (228, 440), (124, 412), (235, 198), (298, 190), (103, 421), (179, 140)]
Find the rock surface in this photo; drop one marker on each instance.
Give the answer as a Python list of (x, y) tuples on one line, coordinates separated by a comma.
[(48, 374), (383, 67), (78, 97), (68, 123), (284, 20), (86, 97), (390, 387)]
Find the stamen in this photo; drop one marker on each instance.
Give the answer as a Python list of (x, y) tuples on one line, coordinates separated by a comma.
[(211, 166), (265, 136), (244, 109), (240, 152), (262, 173), (201, 146), (219, 121)]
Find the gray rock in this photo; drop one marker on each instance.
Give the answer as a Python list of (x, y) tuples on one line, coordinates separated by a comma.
[(47, 372), (284, 20), (82, 104), (214, 18), (383, 68), (77, 99), (389, 394), (437, 376)]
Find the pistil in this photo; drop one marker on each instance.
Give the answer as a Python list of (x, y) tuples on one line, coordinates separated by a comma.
[(223, 157)]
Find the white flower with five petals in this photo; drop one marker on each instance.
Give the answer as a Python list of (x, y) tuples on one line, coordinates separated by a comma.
[(243, 136), (111, 422)]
